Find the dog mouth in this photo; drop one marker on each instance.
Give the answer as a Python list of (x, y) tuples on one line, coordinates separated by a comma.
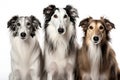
[(23, 38), (96, 42)]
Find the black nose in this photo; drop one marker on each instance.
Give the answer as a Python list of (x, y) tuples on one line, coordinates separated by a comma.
[(23, 34), (60, 30), (95, 38)]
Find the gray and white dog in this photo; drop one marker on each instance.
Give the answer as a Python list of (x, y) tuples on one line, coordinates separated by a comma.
[(26, 56), (60, 42)]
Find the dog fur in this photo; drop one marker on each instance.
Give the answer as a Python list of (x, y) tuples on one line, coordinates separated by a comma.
[(119, 74), (60, 42), (96, 59), (26, 56)]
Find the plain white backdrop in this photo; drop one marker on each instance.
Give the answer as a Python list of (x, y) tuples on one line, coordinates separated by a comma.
[(95, 8)]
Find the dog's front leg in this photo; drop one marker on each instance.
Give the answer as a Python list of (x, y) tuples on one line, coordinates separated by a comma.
[(70, 76), (86, 76), (11, 76), (15, 75), (69, 69), (113, 73), (51, 71), (50, 76), (33, 75)]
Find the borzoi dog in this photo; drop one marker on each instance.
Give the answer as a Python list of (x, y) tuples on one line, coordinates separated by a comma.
[(96, 59), (26, 52), (60, 42)]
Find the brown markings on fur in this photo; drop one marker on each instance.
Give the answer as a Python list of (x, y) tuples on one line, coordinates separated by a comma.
[(108, 63), (95, 28), (119, 74), (83, 64)]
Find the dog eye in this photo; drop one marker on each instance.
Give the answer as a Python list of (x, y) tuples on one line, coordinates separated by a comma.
[(101, 27), (18, 24), (65, 16), (55, 16), (28, 24), (91, 27)]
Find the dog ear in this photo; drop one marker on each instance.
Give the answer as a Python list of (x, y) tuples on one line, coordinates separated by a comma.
[(108, 24), (11, 23), (35, 21), (85, 22), (48, 11), (71, 11)]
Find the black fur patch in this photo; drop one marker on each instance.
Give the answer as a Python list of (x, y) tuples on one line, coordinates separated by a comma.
[(48, 12), (72, 13), (71, 47), (35, 23), (11, 23), (104, 60)]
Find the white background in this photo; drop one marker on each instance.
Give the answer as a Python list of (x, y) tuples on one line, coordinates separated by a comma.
[(95, 8)]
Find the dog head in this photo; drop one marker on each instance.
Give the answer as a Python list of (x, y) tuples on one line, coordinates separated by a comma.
[(59, 18), (96, 31), (23, 27)]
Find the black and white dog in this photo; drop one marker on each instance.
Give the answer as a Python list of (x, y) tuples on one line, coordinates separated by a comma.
[(26, 52), (60, 42)]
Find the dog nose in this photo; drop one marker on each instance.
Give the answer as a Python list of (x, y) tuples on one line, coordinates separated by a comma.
[(23, 34), (95, 38), (60, 30)]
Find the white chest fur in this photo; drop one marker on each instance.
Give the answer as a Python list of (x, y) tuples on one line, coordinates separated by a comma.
[(23, 49), (58, 56), (94, 57), (25, 55)]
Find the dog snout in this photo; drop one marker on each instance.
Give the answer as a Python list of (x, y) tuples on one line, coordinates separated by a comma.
[(60, 30), (96, 38), (23, 34)]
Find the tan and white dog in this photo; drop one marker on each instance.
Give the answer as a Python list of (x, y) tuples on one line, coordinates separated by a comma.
[(96, 59), (26, 53)]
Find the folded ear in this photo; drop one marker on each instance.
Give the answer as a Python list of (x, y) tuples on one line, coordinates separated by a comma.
[(71, 11), (85, 22), (11, 23), (35, 21), (108, 24), (48, 11)]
